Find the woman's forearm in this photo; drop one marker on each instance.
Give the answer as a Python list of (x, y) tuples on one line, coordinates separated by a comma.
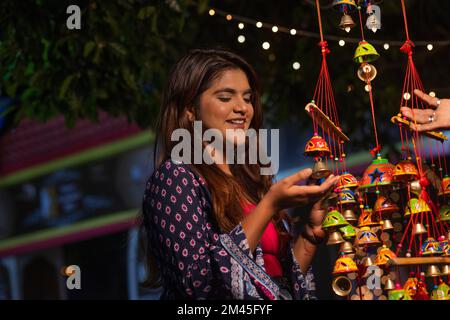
[(304, 250)]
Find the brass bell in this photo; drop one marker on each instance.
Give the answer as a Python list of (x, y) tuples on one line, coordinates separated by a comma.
[(419, 229), (387, 225), (320, 170), (433, 271), (415, 186), (347, 23), (346, 247), (389, 285), (366, 72), (349, 215), (342, 286), (368, 262), (446, 270), (335, 238)]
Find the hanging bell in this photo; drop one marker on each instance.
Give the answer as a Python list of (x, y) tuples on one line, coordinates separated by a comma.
[(349, 215), (347, 23), (387, 225), (346, 247), (415, 186), (374, 20), (334, 238), (365, 52), (433, 271), (389, 285), (367, 72), (446, 270), (342, 286), (320, 170), (419, 229), (368, 262)]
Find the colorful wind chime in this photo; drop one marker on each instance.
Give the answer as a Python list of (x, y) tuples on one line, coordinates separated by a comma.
[(382, 189)]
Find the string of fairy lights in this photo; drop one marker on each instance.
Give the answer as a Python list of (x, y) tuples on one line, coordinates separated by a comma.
[(243, 22)]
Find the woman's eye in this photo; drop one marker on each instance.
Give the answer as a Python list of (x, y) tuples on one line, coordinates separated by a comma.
[(224, 99), (247, 100)]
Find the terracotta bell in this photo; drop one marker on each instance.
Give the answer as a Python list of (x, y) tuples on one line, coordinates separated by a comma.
[(406, 171), (387, 225), (349, 215), (366, 237), (317, 146)]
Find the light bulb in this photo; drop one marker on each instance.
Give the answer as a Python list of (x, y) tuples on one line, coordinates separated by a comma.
[(266, 45), (347, 29), (296, 65)]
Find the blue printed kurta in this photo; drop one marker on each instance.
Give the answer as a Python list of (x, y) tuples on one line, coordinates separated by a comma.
[(196, 260)]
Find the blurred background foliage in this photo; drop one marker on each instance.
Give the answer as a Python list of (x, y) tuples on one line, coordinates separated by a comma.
[(120, 59)]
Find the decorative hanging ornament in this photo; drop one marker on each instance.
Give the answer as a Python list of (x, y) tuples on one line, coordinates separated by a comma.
[(365, 52), (366, 72), (335, 238), (342, 286), (320, 170), (442, 291), (416, 206), (431, 247), (384, 255), (346, 196), (349, 215), (379, 173), (347, 180), (344, 5), (366, 237), (374, 20), (333, 219), (433, 271), (346, 247), (444, 212), (348, 232), (345, 264), (406, 170), (317, 147), (398, 293), (367, 219), (385, 205), (445, 186), (410, 287), (347, 23)]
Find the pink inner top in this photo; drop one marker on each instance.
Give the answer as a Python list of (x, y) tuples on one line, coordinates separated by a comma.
[(269, 244)]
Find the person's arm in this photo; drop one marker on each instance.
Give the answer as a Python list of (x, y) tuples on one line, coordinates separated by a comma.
[(433, 118), (284, 194), (310, 237)]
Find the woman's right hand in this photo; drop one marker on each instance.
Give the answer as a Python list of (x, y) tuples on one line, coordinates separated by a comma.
[(437, 116), (288, 194)]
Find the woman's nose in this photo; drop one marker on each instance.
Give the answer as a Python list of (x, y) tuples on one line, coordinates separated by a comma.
[(241, 106)]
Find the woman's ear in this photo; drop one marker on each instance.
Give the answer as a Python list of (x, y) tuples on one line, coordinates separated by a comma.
[(190, 114)]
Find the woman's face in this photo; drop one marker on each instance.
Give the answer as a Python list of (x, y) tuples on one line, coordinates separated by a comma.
[(227, 104)]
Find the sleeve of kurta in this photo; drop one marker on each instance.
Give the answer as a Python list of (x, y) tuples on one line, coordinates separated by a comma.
[(192, 255)]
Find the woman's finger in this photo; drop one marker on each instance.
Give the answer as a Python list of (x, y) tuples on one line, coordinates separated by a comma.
[(298, 176), (420, 116), (431, 101)]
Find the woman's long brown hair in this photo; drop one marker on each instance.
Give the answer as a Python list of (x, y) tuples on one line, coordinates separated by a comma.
[(189, 78)]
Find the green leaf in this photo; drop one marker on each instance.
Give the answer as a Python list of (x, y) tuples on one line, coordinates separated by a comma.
[(65, 85), (146, 12), (202, 6), (88, 47), (118, 48)]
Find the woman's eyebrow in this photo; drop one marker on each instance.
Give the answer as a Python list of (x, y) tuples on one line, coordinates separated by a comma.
[(232, 91)]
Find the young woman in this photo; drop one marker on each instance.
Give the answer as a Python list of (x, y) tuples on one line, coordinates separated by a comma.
[(218, 231)]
